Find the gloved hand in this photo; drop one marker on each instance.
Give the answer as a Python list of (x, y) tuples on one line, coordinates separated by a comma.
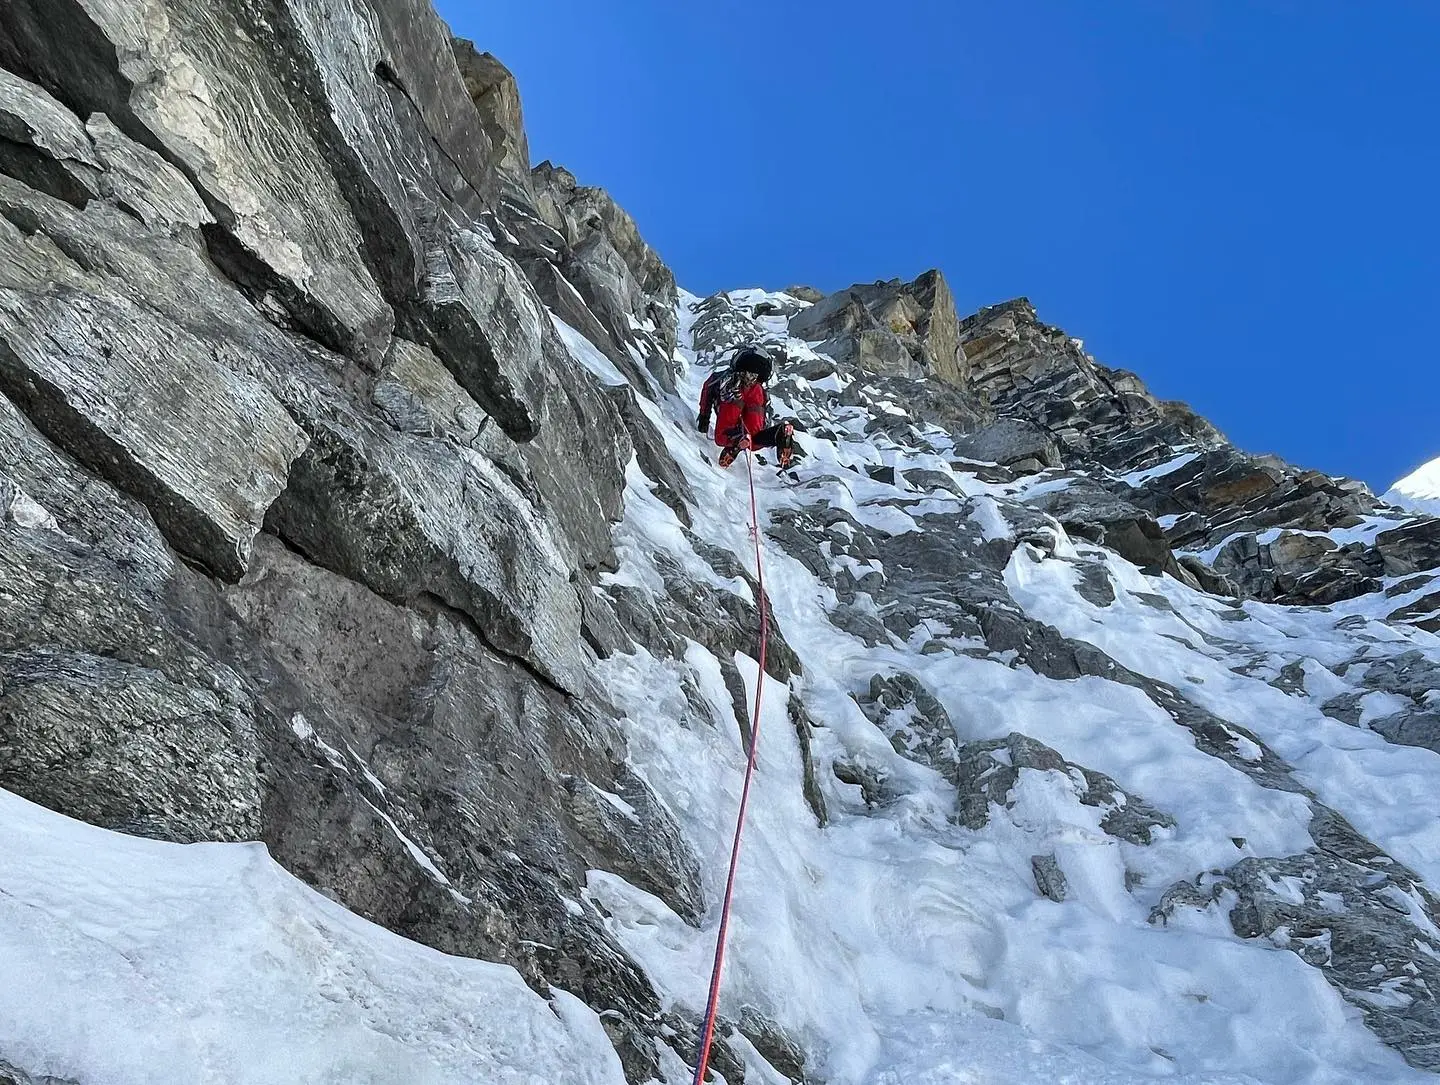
[(744, 443), (703, 423)]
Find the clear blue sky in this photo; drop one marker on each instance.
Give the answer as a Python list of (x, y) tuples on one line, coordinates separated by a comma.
[(1235, 200)]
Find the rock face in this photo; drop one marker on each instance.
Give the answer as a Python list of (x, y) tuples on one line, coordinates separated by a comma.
[(894, 328), (293, 513), (1242, 518), (207, 448), (319, 408)]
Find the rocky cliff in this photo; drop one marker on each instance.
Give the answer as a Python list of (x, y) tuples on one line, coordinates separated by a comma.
[(350, 503)]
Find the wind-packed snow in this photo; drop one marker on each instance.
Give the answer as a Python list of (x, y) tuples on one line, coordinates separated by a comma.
[(900, 947), (131, 962), (1419, 490)]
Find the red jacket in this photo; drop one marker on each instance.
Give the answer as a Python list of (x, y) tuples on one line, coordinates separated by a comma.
[(734, 407)]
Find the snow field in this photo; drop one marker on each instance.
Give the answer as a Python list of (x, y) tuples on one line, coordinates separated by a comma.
[(131, 961), (902, 947), (1390, 793)]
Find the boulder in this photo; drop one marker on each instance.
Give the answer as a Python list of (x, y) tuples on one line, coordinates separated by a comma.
[(1010, 441), (1049, 878), (915, 722), (805, 293), (987, 771), (905, 329), (1086, 510)]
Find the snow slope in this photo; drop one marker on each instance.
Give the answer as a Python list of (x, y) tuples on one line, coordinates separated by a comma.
[(132, 962), (1419, 490), (904, 948)]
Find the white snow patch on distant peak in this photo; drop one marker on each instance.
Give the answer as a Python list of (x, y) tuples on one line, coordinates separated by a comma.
[(1418, 491)]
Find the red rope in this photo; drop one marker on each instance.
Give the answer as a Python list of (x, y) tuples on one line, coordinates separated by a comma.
[(713, 1005)]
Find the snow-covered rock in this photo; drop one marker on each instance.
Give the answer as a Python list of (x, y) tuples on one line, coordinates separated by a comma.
[(352, 510)]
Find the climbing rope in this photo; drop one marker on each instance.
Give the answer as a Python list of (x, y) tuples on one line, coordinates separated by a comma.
[(713, 1004)]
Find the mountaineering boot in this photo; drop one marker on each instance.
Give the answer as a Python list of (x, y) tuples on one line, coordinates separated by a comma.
[(786, 454), (728, 454)]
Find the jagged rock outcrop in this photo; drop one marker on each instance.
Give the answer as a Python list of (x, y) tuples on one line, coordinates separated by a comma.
[(984, 773), (805, 293), (1165, 459), (586, 256), (580, 250), (318, 412), (496, 95), (724, 322), (894, 328)]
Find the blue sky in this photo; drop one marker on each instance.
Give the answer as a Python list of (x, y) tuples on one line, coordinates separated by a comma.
[(1235, 200)]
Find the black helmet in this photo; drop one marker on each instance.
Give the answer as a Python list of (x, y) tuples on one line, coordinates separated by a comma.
[(755, 360)]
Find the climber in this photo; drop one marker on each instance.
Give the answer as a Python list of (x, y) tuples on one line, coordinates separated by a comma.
[(742, 409)]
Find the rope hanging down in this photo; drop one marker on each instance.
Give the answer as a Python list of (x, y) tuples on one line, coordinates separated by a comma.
[(713, 1004)]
